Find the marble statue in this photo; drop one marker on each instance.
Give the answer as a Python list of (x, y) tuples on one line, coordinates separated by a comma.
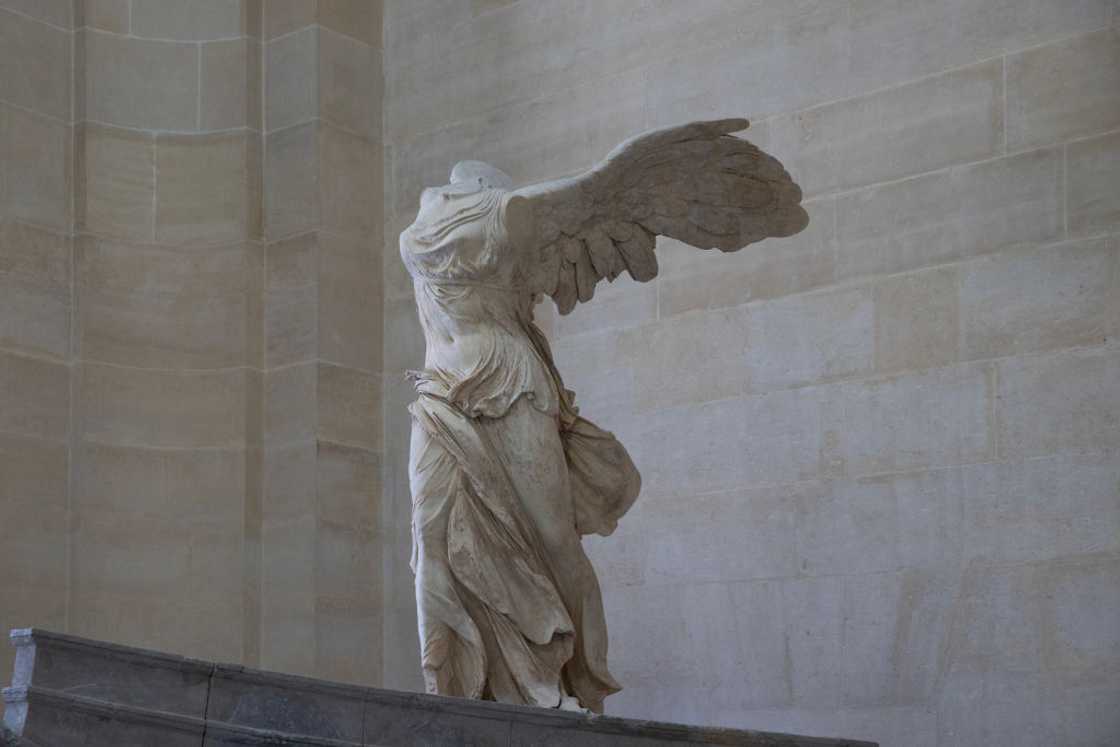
[(505, 473)]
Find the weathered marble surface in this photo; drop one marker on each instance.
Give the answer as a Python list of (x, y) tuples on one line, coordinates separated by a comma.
[(73, 691), (8, 737), (505, 474)]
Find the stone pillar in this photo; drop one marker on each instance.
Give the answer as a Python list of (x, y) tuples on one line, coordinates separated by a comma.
[(320, 568), (36, 227)]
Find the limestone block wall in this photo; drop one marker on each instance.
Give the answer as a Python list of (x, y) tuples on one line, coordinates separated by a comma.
[(167, 358), (36, 244), (190, 327), (320, 558), (881, 476)]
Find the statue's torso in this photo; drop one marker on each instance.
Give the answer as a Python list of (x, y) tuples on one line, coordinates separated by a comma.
[(482, 350)]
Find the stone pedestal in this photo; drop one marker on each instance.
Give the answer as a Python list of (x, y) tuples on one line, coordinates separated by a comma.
[(73, 691)]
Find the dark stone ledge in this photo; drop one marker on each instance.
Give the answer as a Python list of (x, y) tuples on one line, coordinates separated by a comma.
[(65, 686)]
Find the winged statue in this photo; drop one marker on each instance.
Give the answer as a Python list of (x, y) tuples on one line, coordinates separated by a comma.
[(506, 475)]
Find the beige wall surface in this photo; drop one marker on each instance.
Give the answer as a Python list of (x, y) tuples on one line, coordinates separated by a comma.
[(166, 373), (320, 551), (881, 472), (36, 270), (190, 327)]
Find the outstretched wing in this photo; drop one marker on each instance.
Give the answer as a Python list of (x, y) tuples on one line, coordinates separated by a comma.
[(696, 183)]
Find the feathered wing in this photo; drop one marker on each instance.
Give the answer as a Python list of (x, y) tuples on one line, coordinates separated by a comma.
[(696, 183)]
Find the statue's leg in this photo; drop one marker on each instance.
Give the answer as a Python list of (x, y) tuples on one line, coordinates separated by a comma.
[(530, 444), (485, 616), (451, 649)]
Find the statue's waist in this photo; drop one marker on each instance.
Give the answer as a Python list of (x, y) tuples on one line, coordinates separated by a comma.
[(472, 353), (486, 371), (496, 284)]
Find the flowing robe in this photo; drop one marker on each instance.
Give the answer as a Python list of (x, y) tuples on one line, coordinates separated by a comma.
[(505, 475)]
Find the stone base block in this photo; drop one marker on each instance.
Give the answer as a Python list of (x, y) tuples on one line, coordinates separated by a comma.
[(73, 691)]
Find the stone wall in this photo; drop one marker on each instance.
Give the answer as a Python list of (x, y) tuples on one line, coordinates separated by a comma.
[(166, 368), (882, 487), (190, 327), (36, 266), (320, 583)]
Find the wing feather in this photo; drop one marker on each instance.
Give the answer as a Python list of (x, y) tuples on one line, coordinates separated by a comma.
[(565, 294), (637, 252), (586, 277), (604, 257)]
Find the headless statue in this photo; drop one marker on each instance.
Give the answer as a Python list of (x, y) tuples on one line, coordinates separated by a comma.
[(505, 474)]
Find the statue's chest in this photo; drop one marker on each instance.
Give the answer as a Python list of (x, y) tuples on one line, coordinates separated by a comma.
[(453, 243)]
